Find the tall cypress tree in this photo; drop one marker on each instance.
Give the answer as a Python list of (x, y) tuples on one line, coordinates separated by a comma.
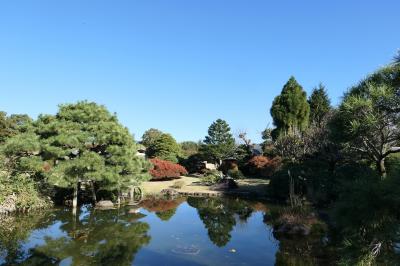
[(290, 110), (320, 104)]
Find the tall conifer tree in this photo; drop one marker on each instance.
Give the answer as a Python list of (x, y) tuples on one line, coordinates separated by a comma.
[(320, 105), (219, 144), (290, 110)]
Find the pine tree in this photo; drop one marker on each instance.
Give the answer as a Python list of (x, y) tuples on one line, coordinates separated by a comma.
[(84, 143), (320, 105), (5, 130), (367, 123), (396, 59), (220, 143), (13, 124), (290, 110), (21, 171)]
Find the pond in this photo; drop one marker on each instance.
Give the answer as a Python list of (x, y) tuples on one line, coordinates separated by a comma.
[(184, 231)]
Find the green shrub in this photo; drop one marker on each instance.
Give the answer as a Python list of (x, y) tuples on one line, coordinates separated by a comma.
[(236, 174), (393, 164), (367, 219), (178, 184), (194, 163), (279, 186), (25, 191), (211, 177), (229, 165)]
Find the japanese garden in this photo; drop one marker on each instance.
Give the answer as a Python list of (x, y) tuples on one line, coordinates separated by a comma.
[(325, 181), (199, 133)]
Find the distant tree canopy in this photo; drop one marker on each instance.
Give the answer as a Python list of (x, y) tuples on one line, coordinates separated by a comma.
[(320, 104), (150, 136), (368, 120), (164, 147), (290, 110), (219, 144), (189, 148)]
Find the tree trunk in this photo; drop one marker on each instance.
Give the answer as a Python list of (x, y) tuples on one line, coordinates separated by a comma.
[(382, 168), (74, 217), (75, 199), (291, 189), (132, 193), (93, 192), (310, 190), (119, 198)]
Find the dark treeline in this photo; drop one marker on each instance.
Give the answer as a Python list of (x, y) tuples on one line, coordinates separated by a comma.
[(344, 160)]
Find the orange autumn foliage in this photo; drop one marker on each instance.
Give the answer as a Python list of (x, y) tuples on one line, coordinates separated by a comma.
[(165, 170), (262, 166)]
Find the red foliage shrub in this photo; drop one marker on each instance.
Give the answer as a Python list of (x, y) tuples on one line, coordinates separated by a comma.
[(165, 170), (263, 166)]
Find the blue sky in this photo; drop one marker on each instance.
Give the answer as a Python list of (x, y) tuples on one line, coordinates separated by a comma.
[(179, 65)]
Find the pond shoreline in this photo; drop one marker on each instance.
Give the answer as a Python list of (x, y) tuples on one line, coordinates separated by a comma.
[(191, 186), (249, 188), (9, 206)]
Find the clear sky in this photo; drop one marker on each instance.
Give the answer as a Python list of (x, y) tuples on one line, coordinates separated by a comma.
[(179, 65)]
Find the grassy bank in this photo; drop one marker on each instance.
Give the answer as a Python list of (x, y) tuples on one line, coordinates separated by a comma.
[(186, 184)]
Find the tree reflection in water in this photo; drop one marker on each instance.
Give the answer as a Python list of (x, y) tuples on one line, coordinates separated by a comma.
[(16, 229), (303, 251), (95, 238), (164, 208), (114, 237), (219, 216)]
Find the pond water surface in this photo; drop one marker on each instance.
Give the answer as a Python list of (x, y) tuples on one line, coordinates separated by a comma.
[(193, 231)]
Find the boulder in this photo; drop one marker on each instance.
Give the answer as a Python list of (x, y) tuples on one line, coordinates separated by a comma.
[(169, 192), (9, 205), (134, 211), (225, 184), (292, 229), (105, 204)]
